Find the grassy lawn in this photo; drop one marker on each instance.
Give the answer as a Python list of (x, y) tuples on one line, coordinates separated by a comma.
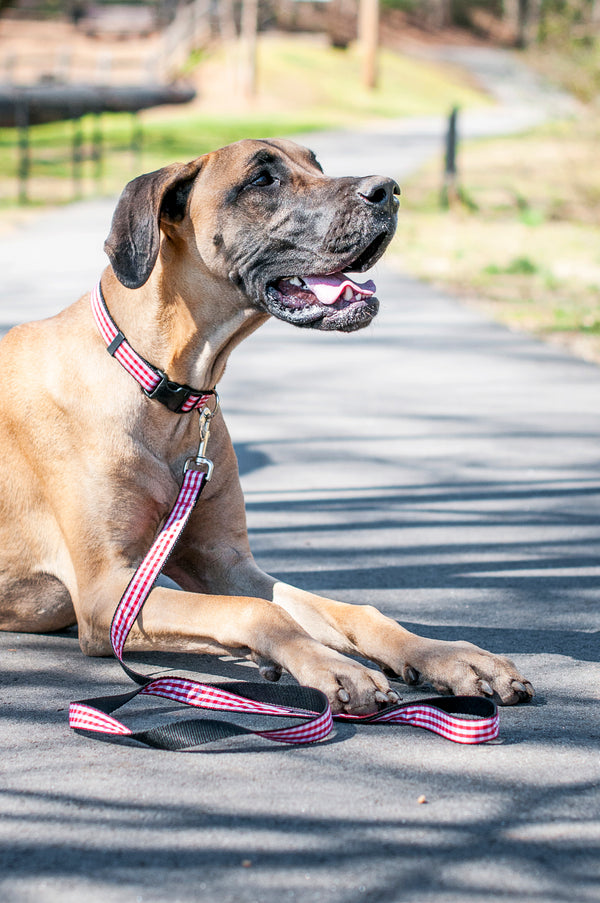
[(306, 77), (569, 55), (524, 241), (303, 85), (166, 137)]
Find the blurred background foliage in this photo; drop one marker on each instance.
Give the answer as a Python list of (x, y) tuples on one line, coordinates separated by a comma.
[(520, 236)]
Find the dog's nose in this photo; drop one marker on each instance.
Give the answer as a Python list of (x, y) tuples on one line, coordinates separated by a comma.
[(380, 192)]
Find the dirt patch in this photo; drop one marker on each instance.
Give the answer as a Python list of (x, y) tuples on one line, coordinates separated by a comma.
[(398, 32), (58, 51)]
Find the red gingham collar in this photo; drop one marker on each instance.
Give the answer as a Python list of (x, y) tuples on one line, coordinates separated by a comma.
[(154, 382)]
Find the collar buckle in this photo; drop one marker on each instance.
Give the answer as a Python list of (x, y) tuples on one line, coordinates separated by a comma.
[(172, 395)]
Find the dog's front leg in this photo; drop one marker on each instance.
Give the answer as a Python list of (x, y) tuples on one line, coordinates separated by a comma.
[(460, 668), (178, 621)]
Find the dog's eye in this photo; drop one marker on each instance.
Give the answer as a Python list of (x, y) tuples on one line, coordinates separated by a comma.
[(262, 180)]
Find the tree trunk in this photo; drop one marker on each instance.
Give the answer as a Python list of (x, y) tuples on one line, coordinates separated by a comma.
[(436, 14), (510, 12), (227, 22), (249, 36), (529, 21), (369, 41)]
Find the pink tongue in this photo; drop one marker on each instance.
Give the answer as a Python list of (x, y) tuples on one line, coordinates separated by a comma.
[(329, 288)]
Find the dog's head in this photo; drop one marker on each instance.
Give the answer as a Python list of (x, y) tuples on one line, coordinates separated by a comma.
[(263, 218)]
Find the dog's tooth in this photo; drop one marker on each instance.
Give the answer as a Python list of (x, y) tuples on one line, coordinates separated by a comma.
[(295, 281), (348, 294)]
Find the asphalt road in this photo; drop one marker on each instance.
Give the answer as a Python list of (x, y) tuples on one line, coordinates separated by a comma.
[(436, 465)]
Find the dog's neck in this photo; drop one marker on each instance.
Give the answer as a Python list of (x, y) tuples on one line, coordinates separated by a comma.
[(187, 334)]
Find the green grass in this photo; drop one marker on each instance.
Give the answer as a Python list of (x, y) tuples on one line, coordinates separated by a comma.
[(190, 136), (518, 266), (174, 138)]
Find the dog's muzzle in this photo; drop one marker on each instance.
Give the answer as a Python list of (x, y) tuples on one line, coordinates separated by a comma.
[(327, 298)]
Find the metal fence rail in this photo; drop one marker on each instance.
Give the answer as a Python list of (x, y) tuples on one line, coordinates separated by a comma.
[(53, 71)]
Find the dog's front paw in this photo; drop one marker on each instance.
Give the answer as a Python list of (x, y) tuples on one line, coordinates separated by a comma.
[(349, 686), (463, 669)]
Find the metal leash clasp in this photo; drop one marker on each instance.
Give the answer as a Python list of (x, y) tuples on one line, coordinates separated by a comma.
[(200, 462)]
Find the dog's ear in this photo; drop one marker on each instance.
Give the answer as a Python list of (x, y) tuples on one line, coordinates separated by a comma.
[(134, 240)]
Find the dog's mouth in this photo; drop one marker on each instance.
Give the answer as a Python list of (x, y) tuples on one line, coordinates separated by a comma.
[(326, 302), (332, 301)]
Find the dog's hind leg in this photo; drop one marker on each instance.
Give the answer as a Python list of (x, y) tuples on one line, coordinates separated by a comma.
[(36, 603)]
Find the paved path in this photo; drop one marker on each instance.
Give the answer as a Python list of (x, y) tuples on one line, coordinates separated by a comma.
[(436, 465)]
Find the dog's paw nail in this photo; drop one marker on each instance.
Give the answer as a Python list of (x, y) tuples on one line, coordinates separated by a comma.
[(267, 668), (270, 672), (523, 690), (343, 696), (485, 688), (410, 676), (393, 697)]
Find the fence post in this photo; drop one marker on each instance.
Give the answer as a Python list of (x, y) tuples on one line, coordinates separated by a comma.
[(98, 152), (449, 188), (24, 168), (137, 138), (77, 156)]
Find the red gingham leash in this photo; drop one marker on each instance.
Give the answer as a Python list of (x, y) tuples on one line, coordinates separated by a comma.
[(462, 719), (95, 715)]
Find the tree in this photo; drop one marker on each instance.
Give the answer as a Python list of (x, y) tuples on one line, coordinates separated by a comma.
[(227, 21), (524, 16), (369, 40), (249, 37)]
